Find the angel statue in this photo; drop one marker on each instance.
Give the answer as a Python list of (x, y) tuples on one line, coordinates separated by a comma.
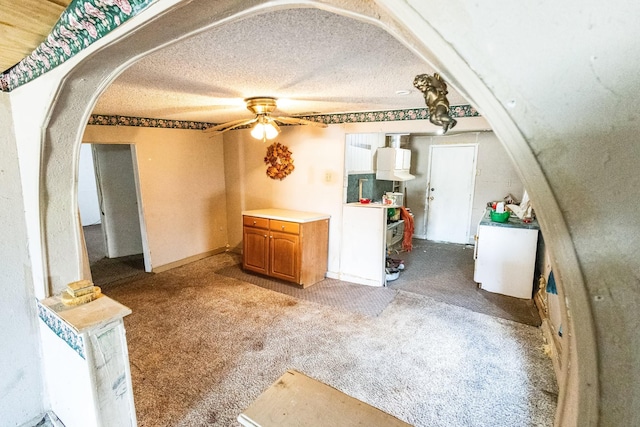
[(435, 92)]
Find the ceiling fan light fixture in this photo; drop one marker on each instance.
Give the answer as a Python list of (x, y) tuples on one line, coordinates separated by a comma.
[(264, 129)]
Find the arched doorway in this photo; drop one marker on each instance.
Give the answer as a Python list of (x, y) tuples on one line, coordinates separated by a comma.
[(64, 256)]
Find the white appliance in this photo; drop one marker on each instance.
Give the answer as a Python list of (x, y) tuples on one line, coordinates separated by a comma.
[(365, 239), (505, 256)]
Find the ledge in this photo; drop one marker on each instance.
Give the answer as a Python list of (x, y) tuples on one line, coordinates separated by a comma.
[(85, 317)]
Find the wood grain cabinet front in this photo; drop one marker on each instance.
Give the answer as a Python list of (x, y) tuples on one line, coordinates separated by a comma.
[(287, 250), (256, 249)]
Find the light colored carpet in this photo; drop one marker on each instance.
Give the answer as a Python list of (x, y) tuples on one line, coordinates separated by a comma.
[(368, 300), (203, 346)]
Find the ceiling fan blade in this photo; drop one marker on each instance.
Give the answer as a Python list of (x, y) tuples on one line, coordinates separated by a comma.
[(230, 125), (298, 121), (275, 125)]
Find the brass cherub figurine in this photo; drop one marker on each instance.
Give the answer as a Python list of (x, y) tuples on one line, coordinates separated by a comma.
[(435, 92)]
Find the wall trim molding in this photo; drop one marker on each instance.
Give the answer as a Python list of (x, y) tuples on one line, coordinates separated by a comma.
[(188, 260)]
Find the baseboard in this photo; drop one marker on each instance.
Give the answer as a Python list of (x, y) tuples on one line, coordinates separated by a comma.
[(332, 275), (188, 260), (360, 280)]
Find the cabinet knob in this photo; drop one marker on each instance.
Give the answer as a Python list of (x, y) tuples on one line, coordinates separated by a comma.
[(254, 222), (283, 227)]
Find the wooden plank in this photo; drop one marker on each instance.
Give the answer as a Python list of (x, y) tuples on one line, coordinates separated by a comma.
[(90, 315), (298, 400), (26, 24)]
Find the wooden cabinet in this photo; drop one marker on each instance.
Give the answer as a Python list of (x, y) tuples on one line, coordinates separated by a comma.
[(286, 249), (284, 256)]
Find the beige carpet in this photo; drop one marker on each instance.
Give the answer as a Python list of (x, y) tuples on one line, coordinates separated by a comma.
[(203, 346), (361, 299)]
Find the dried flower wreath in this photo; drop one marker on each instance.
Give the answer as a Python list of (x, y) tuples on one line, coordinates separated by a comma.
[(278, 160)]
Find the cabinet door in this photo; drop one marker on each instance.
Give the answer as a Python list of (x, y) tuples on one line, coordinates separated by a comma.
[(284, 256), (255, 255)]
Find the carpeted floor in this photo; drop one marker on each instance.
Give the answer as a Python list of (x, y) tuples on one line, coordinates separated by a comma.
[(108, 270), (207, 338), (203, 346), (438, 270), (444, 272), (331, 292)]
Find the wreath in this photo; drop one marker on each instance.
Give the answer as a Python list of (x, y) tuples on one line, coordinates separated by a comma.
[(278, 160)]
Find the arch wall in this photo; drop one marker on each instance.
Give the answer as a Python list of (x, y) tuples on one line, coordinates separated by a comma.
[(594, 391)]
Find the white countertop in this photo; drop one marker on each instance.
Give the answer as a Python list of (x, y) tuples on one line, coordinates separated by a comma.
[(287, 215), (372, 205)]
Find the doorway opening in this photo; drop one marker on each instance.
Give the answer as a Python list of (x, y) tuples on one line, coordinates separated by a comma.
[(109, 203)]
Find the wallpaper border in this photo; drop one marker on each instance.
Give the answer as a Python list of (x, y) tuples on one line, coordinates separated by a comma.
[(457, 111), (61, 329)]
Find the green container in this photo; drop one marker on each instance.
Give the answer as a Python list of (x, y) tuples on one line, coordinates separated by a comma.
[(499, 217)]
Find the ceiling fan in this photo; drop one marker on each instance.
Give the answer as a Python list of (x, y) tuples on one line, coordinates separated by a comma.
[(265, 126)]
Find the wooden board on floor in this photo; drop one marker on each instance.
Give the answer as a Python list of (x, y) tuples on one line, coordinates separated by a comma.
[(297, 400)]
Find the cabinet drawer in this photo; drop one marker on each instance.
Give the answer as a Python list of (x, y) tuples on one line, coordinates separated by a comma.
[(285, 226), (254, 221)]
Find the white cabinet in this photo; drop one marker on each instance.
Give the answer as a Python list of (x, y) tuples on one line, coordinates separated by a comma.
[(393, 164), (360, 151), (365, 239), (505, 257)]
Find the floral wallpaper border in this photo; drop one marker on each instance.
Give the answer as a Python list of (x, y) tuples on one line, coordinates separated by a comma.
[(106, 120), (82, 23), (61, 329), (390, 115), (363, 117)]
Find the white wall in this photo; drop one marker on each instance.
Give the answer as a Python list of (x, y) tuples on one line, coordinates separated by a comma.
[(87, 190), (182, 185), (21, 386)]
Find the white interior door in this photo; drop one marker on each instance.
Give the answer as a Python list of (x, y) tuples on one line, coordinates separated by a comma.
[(450, 192), (115, 177)]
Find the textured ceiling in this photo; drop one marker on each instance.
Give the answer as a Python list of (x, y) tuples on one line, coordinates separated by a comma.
[(312, 61)]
